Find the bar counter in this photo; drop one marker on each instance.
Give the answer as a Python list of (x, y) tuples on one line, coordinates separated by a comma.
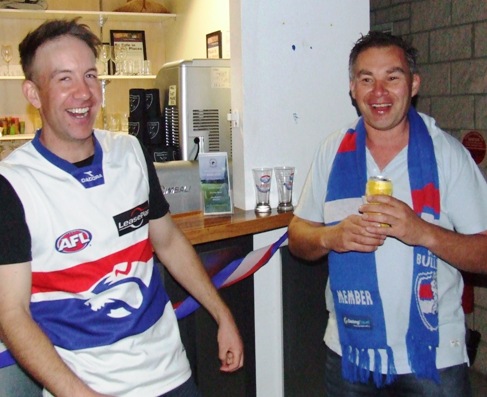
[(203, 229)]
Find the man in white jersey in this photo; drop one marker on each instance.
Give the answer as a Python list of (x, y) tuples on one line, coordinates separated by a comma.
[(396, 324), (82, 307)]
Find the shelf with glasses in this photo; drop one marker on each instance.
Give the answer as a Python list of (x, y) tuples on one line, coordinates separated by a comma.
[(128, 77), (17, 137), (88, 15), (104, 19)]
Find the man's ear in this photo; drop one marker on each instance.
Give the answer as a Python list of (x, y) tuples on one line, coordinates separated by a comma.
[(352, 88), (31, 93), (415, 84)]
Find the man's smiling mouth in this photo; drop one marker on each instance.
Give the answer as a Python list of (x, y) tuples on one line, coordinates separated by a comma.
[(79, 112), (381, 105)]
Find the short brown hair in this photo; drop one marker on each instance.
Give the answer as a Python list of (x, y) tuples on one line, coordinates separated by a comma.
[(51, 30), (376, 39)]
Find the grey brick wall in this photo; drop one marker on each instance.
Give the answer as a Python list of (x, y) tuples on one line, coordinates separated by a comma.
[(451, 37)]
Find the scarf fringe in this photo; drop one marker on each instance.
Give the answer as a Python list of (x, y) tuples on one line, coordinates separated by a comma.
[(356, 364), (422, 359), (391, 367)]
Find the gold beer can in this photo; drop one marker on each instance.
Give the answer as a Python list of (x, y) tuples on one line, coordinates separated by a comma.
[(378, 185)]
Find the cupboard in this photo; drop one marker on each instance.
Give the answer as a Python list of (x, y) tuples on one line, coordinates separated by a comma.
[(15, 24)]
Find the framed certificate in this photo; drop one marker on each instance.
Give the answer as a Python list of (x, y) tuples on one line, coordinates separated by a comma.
[(132, 42), (214, 45)]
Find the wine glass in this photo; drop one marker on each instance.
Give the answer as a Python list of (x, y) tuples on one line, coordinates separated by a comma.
[(119, 53), (7, 54), (105, 56)]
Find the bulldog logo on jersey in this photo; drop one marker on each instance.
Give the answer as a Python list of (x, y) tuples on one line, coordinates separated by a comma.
[(119, 292), (97, 302)]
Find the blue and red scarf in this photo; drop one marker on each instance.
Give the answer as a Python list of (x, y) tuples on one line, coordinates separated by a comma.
[(353, 275)]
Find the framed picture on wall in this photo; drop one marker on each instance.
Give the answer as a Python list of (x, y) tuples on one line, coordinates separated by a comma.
[(214, 45), (127, 45)]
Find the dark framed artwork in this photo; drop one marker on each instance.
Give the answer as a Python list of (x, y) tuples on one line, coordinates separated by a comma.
[(214, 45)]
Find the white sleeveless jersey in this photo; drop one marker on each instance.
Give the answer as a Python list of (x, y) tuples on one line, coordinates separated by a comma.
[(96, 292)]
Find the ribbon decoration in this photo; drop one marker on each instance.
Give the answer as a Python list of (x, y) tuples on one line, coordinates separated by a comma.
[(234, 272), (6, 359)]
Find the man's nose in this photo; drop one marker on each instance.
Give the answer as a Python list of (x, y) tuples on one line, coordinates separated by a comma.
[(83, 90), (379, 88)]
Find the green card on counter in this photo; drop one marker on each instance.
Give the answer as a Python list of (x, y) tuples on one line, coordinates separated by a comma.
[(215, 183)]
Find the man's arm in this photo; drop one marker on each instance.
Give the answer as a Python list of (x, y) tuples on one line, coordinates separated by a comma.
[(27, 342), (178, 255), (465, 252), (312, 240)]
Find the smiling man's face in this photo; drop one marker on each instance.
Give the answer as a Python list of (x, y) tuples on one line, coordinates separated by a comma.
[(382, 86), (66, 90)]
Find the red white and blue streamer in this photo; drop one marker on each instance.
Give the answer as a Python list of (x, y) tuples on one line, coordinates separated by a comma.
[(234, 272)]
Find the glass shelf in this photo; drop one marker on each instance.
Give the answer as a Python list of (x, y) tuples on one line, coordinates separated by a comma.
[(17, 137), (89, 15), (128, 77), (11, 77), (102, 77)]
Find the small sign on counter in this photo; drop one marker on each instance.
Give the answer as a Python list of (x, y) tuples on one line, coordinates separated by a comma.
[(215, 183)]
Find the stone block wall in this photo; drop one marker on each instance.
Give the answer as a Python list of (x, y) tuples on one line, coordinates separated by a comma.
[(450, 36)]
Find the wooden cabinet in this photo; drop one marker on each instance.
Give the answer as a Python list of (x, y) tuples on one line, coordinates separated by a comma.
[(15, 24)]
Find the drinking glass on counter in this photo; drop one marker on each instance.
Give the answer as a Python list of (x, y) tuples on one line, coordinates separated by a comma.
[(285, 179), (262, 183)]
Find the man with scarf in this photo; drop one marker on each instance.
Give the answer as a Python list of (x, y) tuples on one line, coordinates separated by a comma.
[(394, 289)]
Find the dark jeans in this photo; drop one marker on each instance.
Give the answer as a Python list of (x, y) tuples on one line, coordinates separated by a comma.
[(187, 389), (15, 383), (455, 382)]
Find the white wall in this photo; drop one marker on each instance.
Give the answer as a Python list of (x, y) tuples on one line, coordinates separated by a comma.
[(289, 82), (289, 75), (186, 37), (290, 89)]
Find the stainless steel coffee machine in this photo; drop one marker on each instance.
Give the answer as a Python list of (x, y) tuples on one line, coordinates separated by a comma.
[(196, 102)]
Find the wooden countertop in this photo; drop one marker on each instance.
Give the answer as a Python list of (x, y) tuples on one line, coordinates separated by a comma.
[(203, 229)]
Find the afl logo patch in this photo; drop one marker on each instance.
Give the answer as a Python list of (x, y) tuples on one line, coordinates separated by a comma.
[(73, 241)]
